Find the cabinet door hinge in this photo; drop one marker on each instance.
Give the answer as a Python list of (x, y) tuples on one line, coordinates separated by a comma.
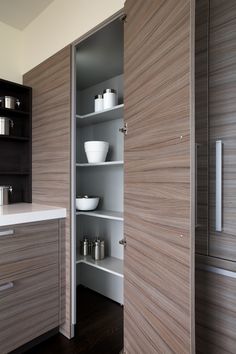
[(123, 242), (124, 130)]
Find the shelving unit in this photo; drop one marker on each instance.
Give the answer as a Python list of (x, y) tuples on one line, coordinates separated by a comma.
[(16, 149), (100, 117), (13, 112), (107, 163), (12, 137), (101, 179), (103, 214), (110, 264)]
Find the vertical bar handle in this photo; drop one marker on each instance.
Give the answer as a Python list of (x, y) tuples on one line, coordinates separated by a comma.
[(196, 184), (218, 195)]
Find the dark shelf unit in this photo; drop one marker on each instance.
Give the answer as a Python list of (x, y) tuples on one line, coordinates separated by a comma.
[(12, 137), (16, 149)]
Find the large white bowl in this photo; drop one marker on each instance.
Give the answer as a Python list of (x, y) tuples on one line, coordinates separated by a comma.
[(96, 151), (87, 203)]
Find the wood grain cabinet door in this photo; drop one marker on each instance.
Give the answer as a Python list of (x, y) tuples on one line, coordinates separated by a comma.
[(51, 150), (222, 124), (158, 290)]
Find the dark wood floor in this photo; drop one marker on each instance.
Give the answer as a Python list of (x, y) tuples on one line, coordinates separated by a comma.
[(99, 329)]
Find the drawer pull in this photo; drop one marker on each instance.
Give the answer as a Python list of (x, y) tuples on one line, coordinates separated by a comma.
[(6, 232), (6, 286)]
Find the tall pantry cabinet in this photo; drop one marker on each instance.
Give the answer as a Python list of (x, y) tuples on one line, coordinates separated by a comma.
[(147, 183)]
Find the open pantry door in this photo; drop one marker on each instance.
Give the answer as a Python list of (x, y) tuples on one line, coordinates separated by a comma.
[(159, 174)]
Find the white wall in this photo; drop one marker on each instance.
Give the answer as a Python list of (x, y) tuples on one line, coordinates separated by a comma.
[(10, 53), (62, 22)]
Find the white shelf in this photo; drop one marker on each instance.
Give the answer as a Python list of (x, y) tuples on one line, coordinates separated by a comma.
[(109, 264), (107, 163), (103, 116), (105, 214)]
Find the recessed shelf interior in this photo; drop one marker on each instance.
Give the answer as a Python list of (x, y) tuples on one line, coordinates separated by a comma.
[(109, 264), (105, 131), (109, 230), (99, 65)]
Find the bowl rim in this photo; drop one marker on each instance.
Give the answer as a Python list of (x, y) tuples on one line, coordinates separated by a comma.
[(96, 142), (87, 197)]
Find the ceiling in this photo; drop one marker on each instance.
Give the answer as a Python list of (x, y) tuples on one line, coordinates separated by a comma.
[(19, 13)]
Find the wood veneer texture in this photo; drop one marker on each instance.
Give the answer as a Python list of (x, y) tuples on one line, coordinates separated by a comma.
[(158, 283), (201, 127), (30, 260), (215, 307), (51, 145), (222, 113)]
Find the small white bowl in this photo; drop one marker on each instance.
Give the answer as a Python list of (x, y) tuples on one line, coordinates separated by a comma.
[(96, 151), (87, 203)]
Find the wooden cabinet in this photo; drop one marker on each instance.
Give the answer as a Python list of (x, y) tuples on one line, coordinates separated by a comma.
[(159, 209), (215, 306), (222, 125), (158, 167), (51, 147), (215, 121), (30, 280)]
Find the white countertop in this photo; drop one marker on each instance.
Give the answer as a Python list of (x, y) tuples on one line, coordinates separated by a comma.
[(26, 212)]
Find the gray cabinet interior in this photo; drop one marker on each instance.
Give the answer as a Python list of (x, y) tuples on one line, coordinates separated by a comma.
[(99, 65)]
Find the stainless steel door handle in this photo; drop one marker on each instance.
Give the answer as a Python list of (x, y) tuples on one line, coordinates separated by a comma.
[(219, 177), (6, 286), (6, 232)]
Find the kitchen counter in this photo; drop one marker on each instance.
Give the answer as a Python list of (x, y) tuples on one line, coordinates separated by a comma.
[(20, 213)]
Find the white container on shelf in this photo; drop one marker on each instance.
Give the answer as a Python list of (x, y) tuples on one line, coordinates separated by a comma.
[(86, 203), (110, 98), (96, 151), (98, 103)]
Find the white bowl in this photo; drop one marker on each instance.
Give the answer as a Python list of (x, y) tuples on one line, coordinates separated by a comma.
[(96, 151), (87, 203)]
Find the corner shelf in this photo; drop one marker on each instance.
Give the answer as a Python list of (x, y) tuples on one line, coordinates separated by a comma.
[(108, 163), (15, 173), (12, 137), (103, 116), (104, 214), (13, 112), (109, 264)]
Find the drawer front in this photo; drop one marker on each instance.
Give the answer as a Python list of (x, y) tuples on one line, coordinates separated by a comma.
[(28, 308), (27, 248)]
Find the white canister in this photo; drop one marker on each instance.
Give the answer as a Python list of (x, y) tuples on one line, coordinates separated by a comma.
[(98, 103), (109, 98)]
